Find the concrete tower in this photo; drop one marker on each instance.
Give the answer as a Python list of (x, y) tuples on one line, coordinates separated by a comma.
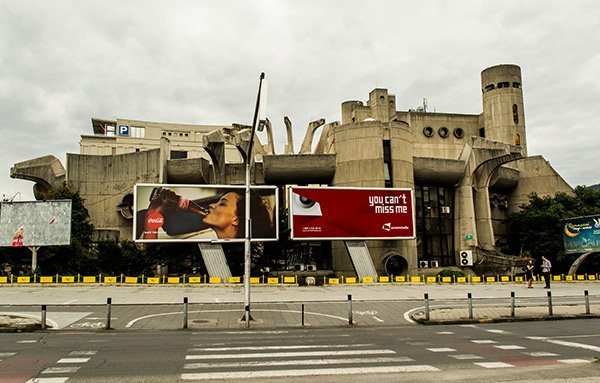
[(503, 114)]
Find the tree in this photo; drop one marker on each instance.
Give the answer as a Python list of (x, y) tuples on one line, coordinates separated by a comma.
[(537, 228)]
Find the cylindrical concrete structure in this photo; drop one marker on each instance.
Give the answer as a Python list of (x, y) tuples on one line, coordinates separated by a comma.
[(503, 112)]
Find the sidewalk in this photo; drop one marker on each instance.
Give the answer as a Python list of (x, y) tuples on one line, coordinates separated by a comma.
[(276, 306)]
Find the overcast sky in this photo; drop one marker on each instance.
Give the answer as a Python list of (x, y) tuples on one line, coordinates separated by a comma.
[(198, 62)]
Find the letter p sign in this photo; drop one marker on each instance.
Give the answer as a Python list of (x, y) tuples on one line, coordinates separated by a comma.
[(123, 130)]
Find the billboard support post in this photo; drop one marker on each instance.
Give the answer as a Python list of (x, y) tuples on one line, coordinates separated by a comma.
[(34, 250), (248, 221)]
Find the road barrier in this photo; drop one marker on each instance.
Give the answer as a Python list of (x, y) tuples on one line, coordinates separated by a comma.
[(282, 279)]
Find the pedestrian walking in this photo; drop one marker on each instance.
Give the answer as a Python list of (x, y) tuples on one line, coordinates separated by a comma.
[(529, 274), (546, 267)]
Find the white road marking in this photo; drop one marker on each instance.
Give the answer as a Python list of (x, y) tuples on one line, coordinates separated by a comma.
[(28, 341), (7, 354), (60, 370), (47, 380), (301, 362), (484, 341), (264, 348), (310, 372), (441, 349), (466, 356), (494, 365), (573, 361), (565, 343), (378, 319), (80, 353), (259, 332), (509, 347), (288, 354), (445, 333), (73, 360), (132, 322), (541, 353), (496, 331)]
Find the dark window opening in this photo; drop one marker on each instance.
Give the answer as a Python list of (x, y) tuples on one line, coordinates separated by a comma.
[(489, 87), (443, 132), (517, 85), (178, 154), (515, 113), (435, 224), (482, 132), (387, 163), (428, 131), (459, 133), (517, 139), (504, 84)]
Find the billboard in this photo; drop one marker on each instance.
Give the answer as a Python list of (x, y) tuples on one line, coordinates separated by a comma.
[(35, 223), (351, 213), (203, 213), (581, 234)]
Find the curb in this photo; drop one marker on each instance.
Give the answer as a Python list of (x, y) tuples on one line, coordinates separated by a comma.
[(505, 319)]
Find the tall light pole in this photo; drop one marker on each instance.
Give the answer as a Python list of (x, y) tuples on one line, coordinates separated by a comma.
[(257, 124)]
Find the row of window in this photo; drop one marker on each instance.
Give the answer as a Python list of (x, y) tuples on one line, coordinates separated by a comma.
[(125, 130), (443, 132), (503, 84), (176, 134)]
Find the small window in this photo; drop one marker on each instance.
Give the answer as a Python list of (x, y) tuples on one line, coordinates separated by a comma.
[(110, 130), (517, 139), (504, 84), (178, 154), (482, 132), (515, 113), (459, 133), (443, 132), (517, 85), (428, 131), (489, 87)]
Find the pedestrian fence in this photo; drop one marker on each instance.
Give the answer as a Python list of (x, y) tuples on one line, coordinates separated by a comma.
[(341, 312), (282, 279)]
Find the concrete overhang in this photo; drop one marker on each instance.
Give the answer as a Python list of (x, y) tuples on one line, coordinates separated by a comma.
[(504, 179), (47, 172), (430, 171), (188, 171), (299, 168)]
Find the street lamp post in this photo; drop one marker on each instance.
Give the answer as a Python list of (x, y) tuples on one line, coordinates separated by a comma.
[(257, 124)]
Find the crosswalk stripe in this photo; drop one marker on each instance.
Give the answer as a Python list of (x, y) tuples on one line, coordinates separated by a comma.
[(287, 354), (73, 360), (301, 362), (494, 364), (7, 354), (60, 370), (311, 372), (48, 380), (264, 348)]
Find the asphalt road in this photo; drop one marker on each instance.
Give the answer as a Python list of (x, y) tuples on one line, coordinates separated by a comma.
[(562, 351)]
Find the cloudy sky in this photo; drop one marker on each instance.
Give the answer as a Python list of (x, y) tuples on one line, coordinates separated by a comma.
[(198, 62)]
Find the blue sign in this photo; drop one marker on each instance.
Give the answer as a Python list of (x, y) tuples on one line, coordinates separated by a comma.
[(123, 130), (582, 234)]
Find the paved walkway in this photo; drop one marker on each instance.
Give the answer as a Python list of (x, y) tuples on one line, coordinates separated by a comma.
[(148, 307)]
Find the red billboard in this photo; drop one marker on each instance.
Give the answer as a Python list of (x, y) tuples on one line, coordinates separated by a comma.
[(351, 213), (203, 213)]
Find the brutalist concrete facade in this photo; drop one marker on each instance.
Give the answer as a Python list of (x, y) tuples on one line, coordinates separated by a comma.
[(468, 171)]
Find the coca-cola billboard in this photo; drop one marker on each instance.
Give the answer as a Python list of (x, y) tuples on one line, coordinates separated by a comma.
[(351, 213), (203, 213)]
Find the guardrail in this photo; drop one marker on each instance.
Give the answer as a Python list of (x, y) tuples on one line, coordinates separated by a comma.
[(285, 280)]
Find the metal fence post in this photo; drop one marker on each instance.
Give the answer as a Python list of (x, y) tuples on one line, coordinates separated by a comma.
[(512, 303), (43, 317), (470, 304), (185, 312), (550, 303), (587, 301), (302, 314), (426, 298), (108, 309), (349, 309)]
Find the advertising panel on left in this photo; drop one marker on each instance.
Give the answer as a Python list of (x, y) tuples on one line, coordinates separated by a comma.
[(203, 213)]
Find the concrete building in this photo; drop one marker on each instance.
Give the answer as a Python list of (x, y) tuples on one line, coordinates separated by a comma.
[(468, 171)]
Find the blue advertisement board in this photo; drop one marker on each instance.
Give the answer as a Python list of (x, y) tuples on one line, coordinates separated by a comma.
[(581, 234)]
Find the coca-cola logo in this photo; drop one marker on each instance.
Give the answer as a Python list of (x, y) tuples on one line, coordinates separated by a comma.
[(154, 221)]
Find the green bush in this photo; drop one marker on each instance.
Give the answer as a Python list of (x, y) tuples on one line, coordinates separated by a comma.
[(450, 273)]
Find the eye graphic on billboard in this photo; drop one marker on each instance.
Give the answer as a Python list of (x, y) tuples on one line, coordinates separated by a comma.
[(351, 213), (203, 213)]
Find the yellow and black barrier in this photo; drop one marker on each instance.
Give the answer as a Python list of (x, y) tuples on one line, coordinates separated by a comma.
[(282, 279)]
